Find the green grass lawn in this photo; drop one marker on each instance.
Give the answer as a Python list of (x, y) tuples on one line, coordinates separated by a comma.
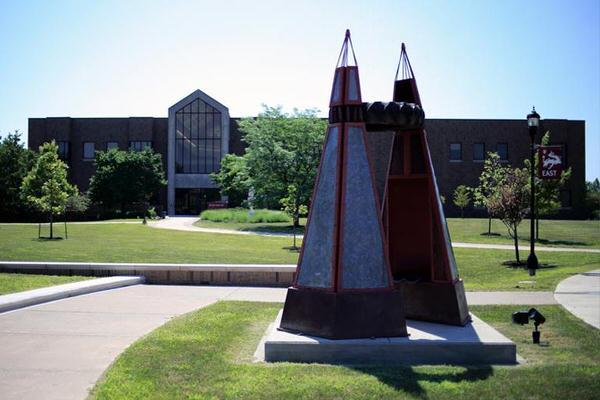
[(469, 230), (12, 283), (480, 269), (552, 232), (207, 355), (139, 243)]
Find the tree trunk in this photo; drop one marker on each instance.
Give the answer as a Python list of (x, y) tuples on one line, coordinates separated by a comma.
[(51, 220), (489, 225), (517, 245)]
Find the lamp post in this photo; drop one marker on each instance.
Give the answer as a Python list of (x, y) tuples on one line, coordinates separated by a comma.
[(533, 122)]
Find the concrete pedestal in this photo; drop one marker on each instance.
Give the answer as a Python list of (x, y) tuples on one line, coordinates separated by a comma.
[(477, 343)]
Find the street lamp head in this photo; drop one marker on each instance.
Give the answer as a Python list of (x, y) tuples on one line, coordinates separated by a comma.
[(533, 119)]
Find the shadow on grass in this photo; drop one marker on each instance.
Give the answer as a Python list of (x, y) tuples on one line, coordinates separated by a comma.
[(490, 234), (47, 239), (407, 379), (561, 242), (523, 264), (292, 249), (273, 229)]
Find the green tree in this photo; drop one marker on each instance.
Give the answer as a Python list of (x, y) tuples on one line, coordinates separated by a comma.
[(462, 198), (46, 187), (125, 179), (592, 199), (491, 178), (547, 191), (293, 207), (15, 162), (511, 203), (233, 179), (282, 150)]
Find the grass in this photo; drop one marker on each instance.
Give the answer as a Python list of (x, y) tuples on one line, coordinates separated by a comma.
[(483, 270), (552, 232), (139, 243), (206, 355), (480, 269), (469, 230), (243, 215), (12, 283)]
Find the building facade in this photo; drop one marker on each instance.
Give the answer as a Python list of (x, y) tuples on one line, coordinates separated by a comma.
[(199, 132)]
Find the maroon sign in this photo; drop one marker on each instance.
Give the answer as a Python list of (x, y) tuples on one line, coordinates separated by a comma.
[(551, 163), (217, 204)]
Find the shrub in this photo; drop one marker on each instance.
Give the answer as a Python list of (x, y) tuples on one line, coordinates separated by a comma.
[(243, 215)]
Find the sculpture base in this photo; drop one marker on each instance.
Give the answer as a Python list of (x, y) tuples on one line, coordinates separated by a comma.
[(331, 315), (477, 343), (444, 303)]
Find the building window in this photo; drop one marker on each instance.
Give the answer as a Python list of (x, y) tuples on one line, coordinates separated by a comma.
[(63, 150), (112, 145), (455, 152), (502, 150), (197, 139), (140, 145), (88, 150), (478, 152)]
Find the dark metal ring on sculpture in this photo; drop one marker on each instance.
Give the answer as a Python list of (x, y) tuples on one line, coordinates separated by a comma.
[(395, 115)]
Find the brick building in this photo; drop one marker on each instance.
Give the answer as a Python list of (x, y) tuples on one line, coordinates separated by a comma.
[(199, 132)]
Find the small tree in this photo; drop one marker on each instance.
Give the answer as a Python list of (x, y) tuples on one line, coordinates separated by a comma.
[(46, 187), (293, 207), (511, 203), (462, 198), (547, 191), (491, 178), (126, 179)]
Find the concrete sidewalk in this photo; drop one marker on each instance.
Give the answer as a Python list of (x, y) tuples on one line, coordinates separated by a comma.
[(580, 294), (59, 350), (43, 295)]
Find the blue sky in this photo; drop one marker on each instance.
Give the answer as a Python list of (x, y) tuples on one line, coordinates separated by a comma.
[(472, 59)]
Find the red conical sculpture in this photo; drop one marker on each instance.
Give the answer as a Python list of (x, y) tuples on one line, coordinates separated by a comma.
[(420, 251), (344, 286)]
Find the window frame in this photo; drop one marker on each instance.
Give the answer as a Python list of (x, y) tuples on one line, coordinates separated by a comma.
[(498, 152), (459, 150), (482, 159), (107, 145), (93, 151)]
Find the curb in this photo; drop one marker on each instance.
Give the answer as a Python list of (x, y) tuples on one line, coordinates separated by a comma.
[(43, 295)]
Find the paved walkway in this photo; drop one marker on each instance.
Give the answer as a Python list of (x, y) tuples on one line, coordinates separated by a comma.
[(187, 224), (59, 350), (580, 294)]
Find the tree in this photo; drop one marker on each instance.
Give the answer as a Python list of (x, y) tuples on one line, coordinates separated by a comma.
[(46, 187), (282, 150), (491, 178), (292, 207), (462, 198), (511, 203), (592, 199), (233, 179), (15, 162), (547, 191), (125, 179)]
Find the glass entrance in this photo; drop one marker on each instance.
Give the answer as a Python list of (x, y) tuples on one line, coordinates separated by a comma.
[(194, 201)]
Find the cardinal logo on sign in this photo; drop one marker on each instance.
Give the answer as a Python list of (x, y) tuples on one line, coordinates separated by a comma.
[(551, 165)]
